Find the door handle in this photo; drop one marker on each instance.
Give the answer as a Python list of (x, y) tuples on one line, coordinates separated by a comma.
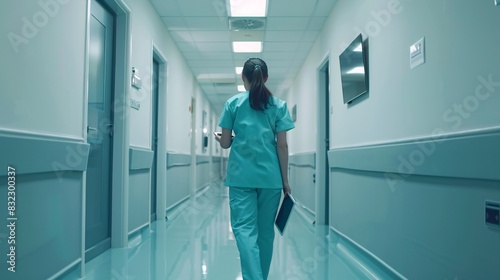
[(110, 127), (93, 129)]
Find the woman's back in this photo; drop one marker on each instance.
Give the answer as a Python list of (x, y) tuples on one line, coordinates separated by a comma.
[(253, 160)]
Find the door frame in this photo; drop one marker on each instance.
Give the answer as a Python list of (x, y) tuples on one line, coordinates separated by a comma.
[(322, 183), (161, 156), (155, 88), (211, 173), (192, 179), (123, 77), (120, 111)]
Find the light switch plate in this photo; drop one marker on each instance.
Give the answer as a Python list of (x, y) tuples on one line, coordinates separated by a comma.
[(135, 104), (417, 53)]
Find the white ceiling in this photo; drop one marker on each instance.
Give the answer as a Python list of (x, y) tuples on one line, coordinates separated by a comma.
[(202, 32)]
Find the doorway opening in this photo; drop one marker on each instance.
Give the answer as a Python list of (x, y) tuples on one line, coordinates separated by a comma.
[(323, 145), (99, 130), (106, 127), (154, 135)]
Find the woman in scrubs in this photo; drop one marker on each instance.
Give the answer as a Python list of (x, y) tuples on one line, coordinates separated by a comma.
[(257, 169)]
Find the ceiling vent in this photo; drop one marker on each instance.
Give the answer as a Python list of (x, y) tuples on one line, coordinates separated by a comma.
[(246, 24)]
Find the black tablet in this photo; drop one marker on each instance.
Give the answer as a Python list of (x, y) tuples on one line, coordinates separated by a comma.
[(284, 213)]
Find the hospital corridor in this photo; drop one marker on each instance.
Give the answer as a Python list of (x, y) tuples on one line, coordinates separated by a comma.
[(133, 132), (199, 244)]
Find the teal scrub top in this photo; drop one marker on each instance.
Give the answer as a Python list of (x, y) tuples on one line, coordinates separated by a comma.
[(253, 160)]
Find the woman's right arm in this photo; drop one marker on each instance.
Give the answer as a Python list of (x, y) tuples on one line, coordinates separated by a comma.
[(225, 139), (282, 149)]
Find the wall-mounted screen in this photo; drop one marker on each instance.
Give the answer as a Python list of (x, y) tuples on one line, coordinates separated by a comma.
[(354, 70)]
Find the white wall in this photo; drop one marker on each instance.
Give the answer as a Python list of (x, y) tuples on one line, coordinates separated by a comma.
[(202, 104), (147, 28), (405, 103), (448, 94), (39, 45), (303, 94)]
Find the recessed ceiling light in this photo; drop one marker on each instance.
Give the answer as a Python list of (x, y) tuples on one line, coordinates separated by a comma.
[(249, 47), (254, 8), (241, 88), (239, 69)]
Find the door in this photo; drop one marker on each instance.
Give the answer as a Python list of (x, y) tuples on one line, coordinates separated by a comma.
[(154, 136), (322, 146), (99, 131), (192, 177), (326, 129)]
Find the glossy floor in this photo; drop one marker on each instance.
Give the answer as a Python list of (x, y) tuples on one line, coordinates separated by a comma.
[(198, 244)]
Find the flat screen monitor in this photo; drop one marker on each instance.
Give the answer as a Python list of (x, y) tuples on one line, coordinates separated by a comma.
[(353, 70)]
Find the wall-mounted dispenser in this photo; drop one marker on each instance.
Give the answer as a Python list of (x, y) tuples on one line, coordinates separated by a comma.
[(492, 213), (136, 81)]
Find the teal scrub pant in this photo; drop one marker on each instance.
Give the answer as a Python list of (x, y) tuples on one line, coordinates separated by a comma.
[(253, 211)]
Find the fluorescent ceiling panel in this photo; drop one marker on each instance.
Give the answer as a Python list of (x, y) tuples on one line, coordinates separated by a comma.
[(247, 47), (254, 8)]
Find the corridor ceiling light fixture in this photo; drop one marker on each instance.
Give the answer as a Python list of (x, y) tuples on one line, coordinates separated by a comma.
[(243, 8), (241, 88), (239, 70), (247, 47)]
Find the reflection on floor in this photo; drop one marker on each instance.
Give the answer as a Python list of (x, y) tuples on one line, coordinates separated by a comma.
[(198, 244)]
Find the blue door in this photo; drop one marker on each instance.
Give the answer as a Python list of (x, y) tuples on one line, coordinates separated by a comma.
[(154, 136)]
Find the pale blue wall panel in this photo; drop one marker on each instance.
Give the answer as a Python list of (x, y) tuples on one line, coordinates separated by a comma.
[(48, 203), (216, 167), (301, 178), (36, 155), (140, 158), (139, 198), (139, 187), (432, 217), (203, 174), (49, 224), (178, 180)]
